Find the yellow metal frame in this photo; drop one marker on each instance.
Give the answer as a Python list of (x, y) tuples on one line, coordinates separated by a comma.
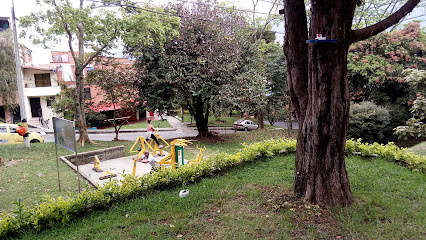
[(200, 155), (152, 146), (171, 158), (97, 165)]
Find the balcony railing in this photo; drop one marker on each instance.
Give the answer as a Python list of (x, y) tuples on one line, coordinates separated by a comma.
[(33, 85)]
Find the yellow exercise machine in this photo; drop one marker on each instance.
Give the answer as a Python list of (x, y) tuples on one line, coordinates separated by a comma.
[(176, 153), (97, 165), (173, 159), (108, 174), (151, 146), (200, 155)]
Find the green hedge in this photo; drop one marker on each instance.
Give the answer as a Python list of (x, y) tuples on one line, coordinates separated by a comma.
[(390, 152), (53, 210)]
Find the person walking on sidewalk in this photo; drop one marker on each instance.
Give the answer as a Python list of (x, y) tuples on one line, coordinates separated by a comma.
[(150, 133)]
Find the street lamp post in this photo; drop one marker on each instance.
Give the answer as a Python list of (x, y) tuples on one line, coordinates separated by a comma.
[(19, 81)]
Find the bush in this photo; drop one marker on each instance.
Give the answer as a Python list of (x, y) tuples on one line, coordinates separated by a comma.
[(369, 122)]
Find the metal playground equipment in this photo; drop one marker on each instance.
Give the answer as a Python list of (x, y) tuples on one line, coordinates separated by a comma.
[(174, 158), (149, 145)]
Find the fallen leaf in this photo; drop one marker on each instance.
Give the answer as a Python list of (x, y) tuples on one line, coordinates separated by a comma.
[(180, 235)]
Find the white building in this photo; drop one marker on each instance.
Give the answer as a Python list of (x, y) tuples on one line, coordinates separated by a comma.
[(40, 84)]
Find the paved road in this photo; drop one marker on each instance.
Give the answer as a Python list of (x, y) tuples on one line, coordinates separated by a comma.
[(295, 125), (132, 136), (179, 130)]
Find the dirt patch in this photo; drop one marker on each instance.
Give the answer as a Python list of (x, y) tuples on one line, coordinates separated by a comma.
[(304, 217), (6, 164)]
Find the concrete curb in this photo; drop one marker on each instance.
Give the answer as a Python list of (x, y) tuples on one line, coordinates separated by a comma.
[(101, 131)]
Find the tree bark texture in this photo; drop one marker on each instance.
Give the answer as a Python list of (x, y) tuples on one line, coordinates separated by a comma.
[(260, 118), (80, 113), (317, 74), (201, 116), (319, 93)]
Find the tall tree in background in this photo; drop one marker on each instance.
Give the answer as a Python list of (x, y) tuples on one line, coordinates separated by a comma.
[(79, 25), (317, 75), (278, 97), (192, 68), (375, 69), (376, 64), (115, 82), (91, 27), (8, 88), (372, 11), (415, 126)]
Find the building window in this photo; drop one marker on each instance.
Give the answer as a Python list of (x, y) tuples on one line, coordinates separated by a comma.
[(42, 80), (87, 93), (49, 101), (61, 58)]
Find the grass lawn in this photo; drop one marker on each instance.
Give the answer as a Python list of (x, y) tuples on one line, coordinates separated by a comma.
[(419, 149), (32, 173), (251, 201), (143, 125), (255, 201)]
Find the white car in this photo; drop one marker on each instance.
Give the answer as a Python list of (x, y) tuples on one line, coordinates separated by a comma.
[(8, 135), (245, 125)]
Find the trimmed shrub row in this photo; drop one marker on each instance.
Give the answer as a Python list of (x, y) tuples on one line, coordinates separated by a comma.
[(53, 210), (390, 152)]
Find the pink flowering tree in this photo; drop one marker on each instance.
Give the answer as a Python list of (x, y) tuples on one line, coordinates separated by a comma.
[(375, 71), (375, 65)]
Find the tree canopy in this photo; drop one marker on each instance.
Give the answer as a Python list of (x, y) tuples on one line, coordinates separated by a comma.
[(90, 26), (379, 61), (8, 88), (192, 68), (116, 90)]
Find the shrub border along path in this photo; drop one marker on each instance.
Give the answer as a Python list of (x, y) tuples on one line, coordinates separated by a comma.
[(53, 210)]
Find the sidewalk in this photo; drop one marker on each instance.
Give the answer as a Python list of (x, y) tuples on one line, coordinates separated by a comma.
[(176, 126)]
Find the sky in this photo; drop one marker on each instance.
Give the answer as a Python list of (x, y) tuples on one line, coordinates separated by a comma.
[(40, 55)]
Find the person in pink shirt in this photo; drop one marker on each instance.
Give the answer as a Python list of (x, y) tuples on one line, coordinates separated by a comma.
[(150, 133)]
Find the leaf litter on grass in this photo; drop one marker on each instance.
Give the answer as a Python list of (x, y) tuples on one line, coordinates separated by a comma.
[(304, 217)]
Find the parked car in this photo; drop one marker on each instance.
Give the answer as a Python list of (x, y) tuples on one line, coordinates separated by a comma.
[(246, 125), (8, 135)]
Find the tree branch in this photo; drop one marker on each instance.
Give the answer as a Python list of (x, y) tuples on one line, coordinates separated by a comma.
[(67, 29), (99, 51), (361, 34)]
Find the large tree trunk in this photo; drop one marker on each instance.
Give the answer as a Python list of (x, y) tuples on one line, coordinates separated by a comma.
[(80, 108), (319, 92), (201, 118), (260, 119), (320, 172)]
